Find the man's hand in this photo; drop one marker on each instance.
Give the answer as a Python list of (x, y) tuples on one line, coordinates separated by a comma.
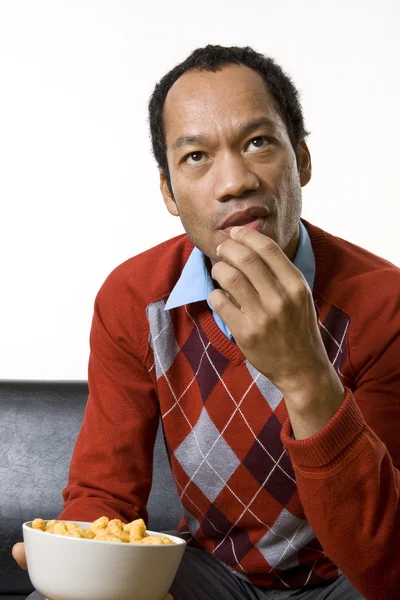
[(18, 553), (271, 315)]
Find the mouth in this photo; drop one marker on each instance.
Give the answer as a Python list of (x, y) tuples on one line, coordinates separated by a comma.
[(256, 224), (253, 218)]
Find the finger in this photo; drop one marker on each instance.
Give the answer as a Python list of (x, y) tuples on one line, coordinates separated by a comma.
[(238, 287), (168, 597), (268, 289), (229, 313), (269, 252), (18, 553)]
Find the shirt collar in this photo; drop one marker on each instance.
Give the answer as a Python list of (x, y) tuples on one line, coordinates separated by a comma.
[(195, 283)]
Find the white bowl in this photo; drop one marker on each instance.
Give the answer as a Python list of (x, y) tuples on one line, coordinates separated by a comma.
[(67, 568)]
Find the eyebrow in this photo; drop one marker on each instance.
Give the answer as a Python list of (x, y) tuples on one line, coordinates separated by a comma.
[(186, 140)]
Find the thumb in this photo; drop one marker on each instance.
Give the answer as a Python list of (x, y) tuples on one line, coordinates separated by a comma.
[(18, 553)]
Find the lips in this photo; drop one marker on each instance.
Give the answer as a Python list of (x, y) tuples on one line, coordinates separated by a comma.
[(243, 217)]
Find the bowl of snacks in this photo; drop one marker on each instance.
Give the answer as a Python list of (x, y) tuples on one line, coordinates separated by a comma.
[(103, 560)]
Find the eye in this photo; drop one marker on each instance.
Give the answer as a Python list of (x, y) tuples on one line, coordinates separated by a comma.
[(194, 158), (257, 143)]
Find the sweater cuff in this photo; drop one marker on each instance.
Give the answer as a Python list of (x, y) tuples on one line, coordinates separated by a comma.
[(327, 448)]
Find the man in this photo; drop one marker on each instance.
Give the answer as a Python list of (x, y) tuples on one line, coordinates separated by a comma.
[(270, 350)]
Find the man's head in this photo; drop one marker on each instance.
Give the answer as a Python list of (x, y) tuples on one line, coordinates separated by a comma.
[(228, 136)]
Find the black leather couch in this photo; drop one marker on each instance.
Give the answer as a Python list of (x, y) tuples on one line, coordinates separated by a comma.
[(39, 422)]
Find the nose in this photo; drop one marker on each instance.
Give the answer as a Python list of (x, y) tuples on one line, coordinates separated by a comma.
[(233, 177)]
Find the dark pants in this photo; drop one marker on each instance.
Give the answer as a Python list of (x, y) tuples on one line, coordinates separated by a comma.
[(203, 577)]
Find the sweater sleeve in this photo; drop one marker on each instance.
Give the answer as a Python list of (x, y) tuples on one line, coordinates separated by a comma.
[(111, 467), (348, 473)]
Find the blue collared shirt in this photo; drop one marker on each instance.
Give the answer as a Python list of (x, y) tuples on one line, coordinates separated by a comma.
[(195, 283)]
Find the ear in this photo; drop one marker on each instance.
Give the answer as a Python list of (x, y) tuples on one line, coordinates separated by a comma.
[(167, 196), (305, 169)]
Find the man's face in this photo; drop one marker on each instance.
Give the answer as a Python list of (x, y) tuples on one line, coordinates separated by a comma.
[(230, 159)]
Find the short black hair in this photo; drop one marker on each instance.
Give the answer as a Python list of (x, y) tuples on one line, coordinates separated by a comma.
[(213, 58)]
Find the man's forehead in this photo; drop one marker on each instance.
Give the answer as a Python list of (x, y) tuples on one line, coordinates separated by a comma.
[(235, 94)]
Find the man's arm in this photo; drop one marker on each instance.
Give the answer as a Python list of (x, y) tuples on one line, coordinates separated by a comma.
[(111, 467), (346, 471), (349, 480)]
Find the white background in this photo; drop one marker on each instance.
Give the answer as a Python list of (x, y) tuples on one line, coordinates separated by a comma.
[(78, 184)]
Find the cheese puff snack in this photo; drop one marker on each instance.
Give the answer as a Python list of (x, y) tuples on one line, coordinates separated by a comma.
[(156, 539), (137, 530), (103, 529)]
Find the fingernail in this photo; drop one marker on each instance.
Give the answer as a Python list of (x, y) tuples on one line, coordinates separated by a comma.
[(218, 247), (235, 229)]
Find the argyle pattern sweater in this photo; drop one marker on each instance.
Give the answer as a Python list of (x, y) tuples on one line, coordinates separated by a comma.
[(279, 512)]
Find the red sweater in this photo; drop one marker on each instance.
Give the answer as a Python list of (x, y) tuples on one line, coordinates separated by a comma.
[(280, 512)]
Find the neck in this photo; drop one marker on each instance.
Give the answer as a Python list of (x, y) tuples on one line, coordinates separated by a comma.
[(292, 247)]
